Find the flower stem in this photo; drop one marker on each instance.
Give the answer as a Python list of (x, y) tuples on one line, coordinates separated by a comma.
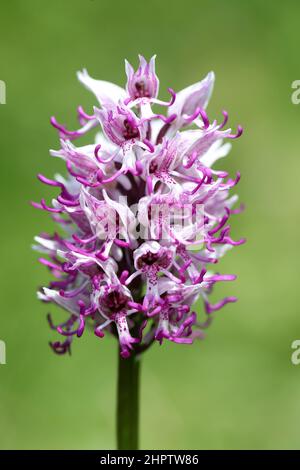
[(128, 403)]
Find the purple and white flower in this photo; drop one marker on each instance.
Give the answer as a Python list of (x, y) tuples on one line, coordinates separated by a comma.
[(143, 215), (144, 82)]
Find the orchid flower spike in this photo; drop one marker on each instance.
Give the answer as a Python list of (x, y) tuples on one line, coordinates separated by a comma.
[(143, 215)]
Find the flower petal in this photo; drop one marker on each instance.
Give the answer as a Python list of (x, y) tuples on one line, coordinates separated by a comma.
[(107, 93), (193, 97)]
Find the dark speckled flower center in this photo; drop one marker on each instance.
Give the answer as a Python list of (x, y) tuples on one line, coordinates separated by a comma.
[(141, 90), (153, 167), (148, 259), (115, 302), (130, 130)]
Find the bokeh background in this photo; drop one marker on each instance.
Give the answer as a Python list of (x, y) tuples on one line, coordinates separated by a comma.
[(238, 388)]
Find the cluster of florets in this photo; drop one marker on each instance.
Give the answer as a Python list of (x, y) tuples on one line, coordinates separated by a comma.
[(143, 217)]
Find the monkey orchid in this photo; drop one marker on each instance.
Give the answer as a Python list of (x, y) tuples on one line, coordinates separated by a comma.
[(143, 219)]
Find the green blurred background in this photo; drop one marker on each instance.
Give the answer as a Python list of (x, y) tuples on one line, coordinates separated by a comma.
[(238, 388)]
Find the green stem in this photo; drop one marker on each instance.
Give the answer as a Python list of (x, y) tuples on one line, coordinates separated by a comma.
[(128, 403)]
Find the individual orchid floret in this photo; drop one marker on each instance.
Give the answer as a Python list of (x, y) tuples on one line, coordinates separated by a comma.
[(143, 215), (121, 126), (114, 304), (150, 259), (144, 82), (108, 219)]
